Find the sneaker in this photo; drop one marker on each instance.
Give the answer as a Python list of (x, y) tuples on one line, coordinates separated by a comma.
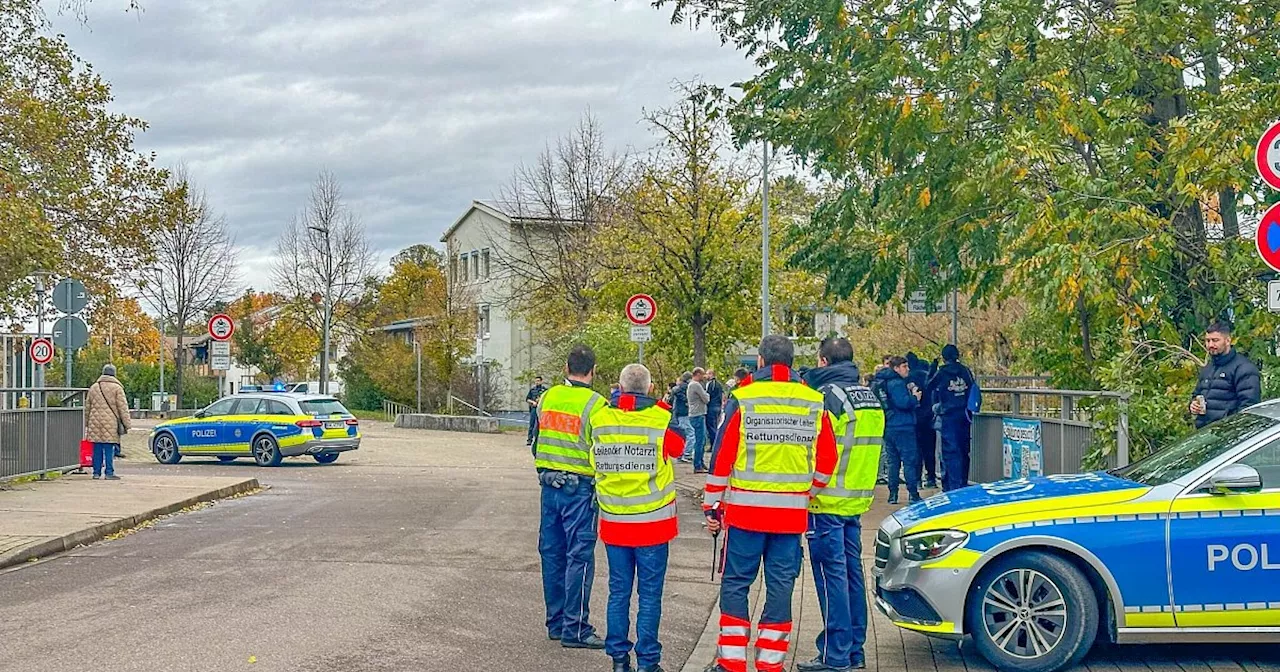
[(816, 665), (590, 642), (97, 476), (883, 480), (655, 668), (893, 498), (110, 477), (915, 498), (931, 484)]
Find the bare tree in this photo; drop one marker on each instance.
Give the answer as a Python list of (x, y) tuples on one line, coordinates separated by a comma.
[(194, 265), (322, 264), (558, 205)]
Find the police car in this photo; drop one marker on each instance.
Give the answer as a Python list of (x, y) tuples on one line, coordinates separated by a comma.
[(1182, 546), (266, 426)]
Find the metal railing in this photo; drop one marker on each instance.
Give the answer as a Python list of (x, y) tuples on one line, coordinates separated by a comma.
[(1068, 428), (464, 402), (393, 408), (39, 440)]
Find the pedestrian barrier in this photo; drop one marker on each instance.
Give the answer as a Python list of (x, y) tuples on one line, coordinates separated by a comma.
[(1067, 430), (39, 440)]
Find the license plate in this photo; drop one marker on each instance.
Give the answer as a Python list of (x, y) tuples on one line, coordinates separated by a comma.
[(335, 425)]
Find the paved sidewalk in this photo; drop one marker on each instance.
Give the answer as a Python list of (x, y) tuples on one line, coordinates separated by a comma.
[(892, 649), (40, 518)]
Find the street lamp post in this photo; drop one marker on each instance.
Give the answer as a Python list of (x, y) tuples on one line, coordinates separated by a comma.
[(764, 246), (328, 307)]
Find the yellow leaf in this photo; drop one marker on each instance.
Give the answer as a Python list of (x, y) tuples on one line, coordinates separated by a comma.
[(906, 106), (253, 659), (925, 198)]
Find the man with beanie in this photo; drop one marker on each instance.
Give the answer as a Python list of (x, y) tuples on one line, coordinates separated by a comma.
[(949, 391), (106, 419)]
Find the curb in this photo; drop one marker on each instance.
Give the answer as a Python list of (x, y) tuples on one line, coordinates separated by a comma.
[(98, 532)]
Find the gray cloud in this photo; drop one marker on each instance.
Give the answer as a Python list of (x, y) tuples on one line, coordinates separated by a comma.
[(417, 107)]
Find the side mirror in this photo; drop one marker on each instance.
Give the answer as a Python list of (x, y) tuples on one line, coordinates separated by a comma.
[(1235, 479), (198, 414)]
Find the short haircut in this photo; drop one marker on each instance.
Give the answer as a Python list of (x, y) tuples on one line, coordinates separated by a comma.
[(635, 379), (582, 360), (1219, 327), (777, 349), (538, 378), (698, 370), (740, 373), (686, 377), (836, 349), (896, 361)]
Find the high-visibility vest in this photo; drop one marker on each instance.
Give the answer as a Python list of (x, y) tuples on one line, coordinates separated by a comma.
[(564, 421), (778, 442), (635, 483), (859, 430)]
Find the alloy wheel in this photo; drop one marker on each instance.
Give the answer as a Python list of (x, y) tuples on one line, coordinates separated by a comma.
[(1024, 613)]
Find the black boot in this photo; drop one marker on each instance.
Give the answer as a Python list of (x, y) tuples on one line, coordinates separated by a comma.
[(893, 498), (622, 664), (816, 665)]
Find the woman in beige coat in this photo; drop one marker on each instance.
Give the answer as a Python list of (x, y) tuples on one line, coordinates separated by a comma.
[(106, 418)]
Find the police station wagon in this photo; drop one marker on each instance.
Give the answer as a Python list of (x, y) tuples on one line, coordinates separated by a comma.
[(263, 425), (1182, 546)]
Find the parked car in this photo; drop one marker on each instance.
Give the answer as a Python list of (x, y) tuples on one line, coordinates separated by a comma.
[(1182, 546), (267, 426)]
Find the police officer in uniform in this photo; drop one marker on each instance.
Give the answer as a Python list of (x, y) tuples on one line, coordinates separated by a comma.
[(567, 531), (775, 447), (633, 447), (835, 526)]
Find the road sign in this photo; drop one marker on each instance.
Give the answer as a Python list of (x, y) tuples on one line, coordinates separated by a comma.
[(220, 348), (641, 309), (918, 302), (1268, 237), (641, 334), (1273, 296), (70, 333), (41, 351), (70, 296), (1266, 157), (219, 362), (221, 327)]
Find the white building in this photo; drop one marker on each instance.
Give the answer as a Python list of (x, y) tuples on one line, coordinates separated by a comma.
[(504, 340)]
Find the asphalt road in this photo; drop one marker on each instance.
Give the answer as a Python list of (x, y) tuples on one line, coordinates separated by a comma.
[(417, 552)]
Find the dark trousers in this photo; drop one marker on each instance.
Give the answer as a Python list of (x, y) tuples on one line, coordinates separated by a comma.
[(835, 551), (955, 452), (643, 569), (533, 424), (104, 458), (745, 551), (567, 544), (699, 424), (900, 443), (927, 443)]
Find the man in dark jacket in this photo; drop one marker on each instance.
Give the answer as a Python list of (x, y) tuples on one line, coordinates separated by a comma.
[(926, 438), (900, 427), (716, 391), (1228, 384), (532, 398), (949, 391)]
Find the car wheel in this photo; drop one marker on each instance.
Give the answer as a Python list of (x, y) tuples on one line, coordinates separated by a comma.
[(226, 458), (326, 458), (266, 452), (165, 449), (1032, 612)]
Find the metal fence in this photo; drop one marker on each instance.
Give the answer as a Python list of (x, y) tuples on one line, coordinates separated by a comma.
[(1067, 426), (39, 440)]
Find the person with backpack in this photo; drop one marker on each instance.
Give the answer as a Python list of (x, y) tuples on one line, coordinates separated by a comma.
[(955, 398), (106, 419)]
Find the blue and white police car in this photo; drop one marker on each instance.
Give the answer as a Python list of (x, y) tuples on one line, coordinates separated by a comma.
[(1182, 546)]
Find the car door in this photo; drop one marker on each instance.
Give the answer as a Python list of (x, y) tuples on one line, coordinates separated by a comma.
[(202, 433), (1224, 550), (237, 429)]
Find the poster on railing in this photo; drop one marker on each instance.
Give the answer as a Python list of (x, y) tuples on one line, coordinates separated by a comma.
[(1023, 449)]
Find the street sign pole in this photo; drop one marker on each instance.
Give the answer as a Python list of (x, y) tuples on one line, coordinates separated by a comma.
[(40, 290), (641, 348)]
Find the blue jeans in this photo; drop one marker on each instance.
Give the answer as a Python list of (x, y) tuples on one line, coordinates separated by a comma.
[(686, 428), (955, 452), (567, 544), (835, 551), (533, 424), (648, 564), (104, 458), (903, 450), (699, 426), (745, 550)]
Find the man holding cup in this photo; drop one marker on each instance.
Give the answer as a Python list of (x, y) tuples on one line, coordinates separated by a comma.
[(1228, 383)]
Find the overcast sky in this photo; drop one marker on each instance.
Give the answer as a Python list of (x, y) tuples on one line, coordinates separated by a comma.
[(418, 106)]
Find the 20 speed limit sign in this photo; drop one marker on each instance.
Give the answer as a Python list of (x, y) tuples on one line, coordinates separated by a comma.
[(42, 351), (1266, 157), (221, 327)]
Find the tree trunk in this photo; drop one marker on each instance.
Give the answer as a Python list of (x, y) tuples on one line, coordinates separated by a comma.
[(1213, 86), (700, 341), (1086, 334)]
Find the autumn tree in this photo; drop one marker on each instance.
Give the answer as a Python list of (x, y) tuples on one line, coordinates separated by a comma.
[(194, 266), (280, 348), (128, 334)]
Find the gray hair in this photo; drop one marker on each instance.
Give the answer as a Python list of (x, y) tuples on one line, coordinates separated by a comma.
[(635, 379), (109, 370), (686, 377), (777, 349)]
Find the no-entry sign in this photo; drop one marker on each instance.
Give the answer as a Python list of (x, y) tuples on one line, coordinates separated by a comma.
[(1268, 237), (1267, 156), (641, 309), (221, 327), (42, 351)]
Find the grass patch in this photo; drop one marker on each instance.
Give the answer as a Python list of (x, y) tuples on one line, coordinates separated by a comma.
[(370, 415)]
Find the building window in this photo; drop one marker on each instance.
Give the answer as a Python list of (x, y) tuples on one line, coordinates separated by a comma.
[(484, 321), (484, 262), (475, 264), (462, 265), (453, 269)]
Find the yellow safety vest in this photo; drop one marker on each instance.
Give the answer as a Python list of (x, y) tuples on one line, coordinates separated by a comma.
[(859, 433), (779, 437), (564, 429), (635, 483)]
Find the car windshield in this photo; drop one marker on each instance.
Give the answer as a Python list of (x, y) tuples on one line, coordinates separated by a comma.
[(1187, 454), (322, 407)]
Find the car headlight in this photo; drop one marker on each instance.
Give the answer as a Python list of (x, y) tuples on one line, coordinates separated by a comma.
[(932, 545)]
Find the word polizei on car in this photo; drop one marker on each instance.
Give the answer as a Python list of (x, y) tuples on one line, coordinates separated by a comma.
[(263, 425), (1182, 546)]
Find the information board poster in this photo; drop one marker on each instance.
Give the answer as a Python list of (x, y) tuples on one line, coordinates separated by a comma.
[(1023, 449)]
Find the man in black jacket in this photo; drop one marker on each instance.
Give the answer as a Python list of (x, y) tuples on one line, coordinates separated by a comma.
[(926, 438), (532, 399), (949, 390), (1228, 384)]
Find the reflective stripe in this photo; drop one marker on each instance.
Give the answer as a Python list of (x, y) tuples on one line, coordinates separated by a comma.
[(717, 480), (772, 635), (563, 459), (713, 498), (561, 443), (841, 492), (773, 500), (647, 498), (734, 631), (794, 402), (731, 652), (630, 430), (773, 478), (770, 656), (665, 513)]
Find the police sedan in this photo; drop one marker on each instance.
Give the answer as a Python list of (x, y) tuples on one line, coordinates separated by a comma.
[(266, 426), (1182, 546)]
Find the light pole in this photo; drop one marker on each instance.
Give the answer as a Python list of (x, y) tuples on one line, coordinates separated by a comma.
[(417, 353), (764, 247), (40, 292), (328, 307)]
